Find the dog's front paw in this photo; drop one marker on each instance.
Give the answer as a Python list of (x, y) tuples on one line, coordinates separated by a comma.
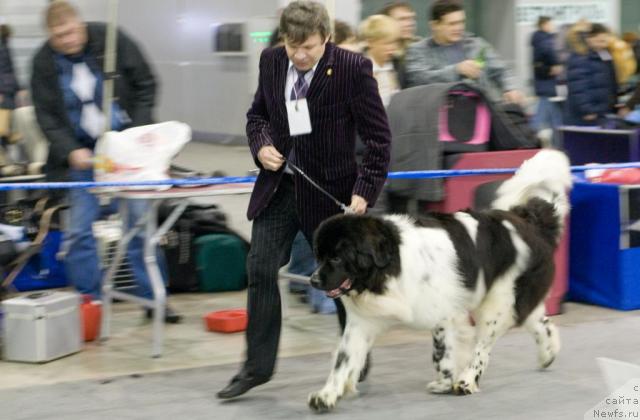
[(322, 401), (463, 387), (440, 387), (545, 360)]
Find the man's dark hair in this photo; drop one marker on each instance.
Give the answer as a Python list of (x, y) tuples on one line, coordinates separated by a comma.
[(301, 19), (441, 8), (391, 6), (543, 20), (342, 32), (597, 29)]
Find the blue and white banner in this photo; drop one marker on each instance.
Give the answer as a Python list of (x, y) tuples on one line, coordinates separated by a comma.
[(565, 12)]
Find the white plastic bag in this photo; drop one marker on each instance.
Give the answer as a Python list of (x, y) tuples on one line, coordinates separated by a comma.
[(140, 153)]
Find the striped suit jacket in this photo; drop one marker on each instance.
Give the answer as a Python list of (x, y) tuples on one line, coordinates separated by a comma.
[(343, 100)]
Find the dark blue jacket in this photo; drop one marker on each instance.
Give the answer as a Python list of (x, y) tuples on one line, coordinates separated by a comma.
[(592, 87), (544, 57)]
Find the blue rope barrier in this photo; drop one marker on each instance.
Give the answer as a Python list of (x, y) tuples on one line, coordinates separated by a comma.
[(238, 180), (87, 185), (499, 171)]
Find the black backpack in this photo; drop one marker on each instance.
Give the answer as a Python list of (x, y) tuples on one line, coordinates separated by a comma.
[(510, 129), (178, 244)]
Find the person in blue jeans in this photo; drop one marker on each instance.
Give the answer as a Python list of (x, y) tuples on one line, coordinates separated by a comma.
[(82, 263), (303, 263), (66, 88)]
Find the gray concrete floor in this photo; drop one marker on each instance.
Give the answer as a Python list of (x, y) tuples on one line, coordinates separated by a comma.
[(118, 379)]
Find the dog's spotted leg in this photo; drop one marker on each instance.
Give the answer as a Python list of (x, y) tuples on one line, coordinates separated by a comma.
[(491, 324), (545, 334), (452, 344), (444, 358), (348, 361)]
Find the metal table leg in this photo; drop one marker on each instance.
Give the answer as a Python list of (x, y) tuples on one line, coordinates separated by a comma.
[(107, 284), (152, 236), (155, 278)]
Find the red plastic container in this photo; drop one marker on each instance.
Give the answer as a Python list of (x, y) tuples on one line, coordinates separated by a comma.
[(91, 315), (229, 321)]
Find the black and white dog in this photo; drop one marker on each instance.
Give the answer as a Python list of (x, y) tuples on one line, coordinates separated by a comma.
[(432, 273)]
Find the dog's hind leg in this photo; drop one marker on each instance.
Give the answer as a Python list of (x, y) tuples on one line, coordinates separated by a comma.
[(545, 334), (494, 318), (348, 361), (447, 343)]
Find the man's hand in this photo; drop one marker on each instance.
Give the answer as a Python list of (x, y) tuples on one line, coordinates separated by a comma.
[(358, 204), (469, 68), (270, 158), (556, 70), (22, 98), (590, 117), (81, 159), (513, 97), (623, 111)]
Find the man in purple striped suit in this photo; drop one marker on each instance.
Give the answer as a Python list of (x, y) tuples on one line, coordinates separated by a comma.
[(312, 100)]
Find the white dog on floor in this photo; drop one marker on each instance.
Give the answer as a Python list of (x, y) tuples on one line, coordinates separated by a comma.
[(432, 273)]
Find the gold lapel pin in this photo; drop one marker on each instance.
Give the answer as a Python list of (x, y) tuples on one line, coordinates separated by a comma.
[(329, 72)]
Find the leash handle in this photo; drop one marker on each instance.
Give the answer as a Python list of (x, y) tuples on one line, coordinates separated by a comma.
[(347, 209)]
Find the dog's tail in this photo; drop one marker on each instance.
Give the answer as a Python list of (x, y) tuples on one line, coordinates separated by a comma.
[(538, 192)]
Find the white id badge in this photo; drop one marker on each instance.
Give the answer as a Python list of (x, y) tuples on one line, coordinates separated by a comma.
[(299, 120)]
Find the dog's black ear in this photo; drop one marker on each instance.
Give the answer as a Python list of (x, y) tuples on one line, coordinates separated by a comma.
[(374, 249), (345, 249), (365, 261)]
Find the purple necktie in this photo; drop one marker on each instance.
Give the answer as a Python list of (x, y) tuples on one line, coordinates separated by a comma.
[(301, 87), (299, 91)]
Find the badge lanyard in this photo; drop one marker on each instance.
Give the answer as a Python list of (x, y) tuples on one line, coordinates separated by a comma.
[(298, 114), (295, 92)]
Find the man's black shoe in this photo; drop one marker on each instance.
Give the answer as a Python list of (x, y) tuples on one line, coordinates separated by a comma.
[(239, 385), (170, 316)]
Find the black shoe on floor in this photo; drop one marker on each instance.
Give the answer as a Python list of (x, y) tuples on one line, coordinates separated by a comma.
[(170, 316), (365, 370), (239, 385)]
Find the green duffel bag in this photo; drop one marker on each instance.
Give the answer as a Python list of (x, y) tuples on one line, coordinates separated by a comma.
[(221, 262)]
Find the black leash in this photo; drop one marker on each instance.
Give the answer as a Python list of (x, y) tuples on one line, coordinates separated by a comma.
[(343, 207)]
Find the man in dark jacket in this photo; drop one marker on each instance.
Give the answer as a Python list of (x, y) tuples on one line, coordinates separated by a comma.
[(66, 87), (453, 55), (546, 68), (591, 80), (312, 99)]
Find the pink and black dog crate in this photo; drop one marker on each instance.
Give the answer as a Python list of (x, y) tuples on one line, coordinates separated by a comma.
[(464, 122)]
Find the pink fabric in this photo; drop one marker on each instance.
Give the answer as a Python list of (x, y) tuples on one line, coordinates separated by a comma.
[(482, 129)]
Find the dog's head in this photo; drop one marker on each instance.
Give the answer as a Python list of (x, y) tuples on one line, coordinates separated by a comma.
[(355, 253)]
